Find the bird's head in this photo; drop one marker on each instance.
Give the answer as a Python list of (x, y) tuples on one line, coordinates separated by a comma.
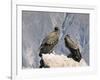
[(67, 37), (56, 29)]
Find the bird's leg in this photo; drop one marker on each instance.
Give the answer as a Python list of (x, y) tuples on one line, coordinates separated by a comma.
[(42, 63)]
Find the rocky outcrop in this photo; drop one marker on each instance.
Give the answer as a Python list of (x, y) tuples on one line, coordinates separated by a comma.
[(55, 60)]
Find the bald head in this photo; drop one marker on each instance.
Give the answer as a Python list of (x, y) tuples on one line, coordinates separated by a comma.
[(56, 29)]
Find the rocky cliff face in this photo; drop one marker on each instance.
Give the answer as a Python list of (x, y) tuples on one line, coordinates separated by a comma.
[(36, 25)]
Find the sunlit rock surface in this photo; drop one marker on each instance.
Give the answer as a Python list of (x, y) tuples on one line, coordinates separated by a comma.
[(54, 60)]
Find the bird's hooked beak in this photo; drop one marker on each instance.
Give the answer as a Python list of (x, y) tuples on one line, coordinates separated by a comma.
[(56, 29)]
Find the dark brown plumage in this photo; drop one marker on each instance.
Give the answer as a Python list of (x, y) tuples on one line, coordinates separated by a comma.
[(49, 42), (73, 47)]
